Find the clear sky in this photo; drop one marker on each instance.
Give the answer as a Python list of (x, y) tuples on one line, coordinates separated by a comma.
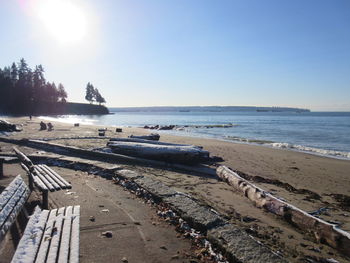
[(187, 52)]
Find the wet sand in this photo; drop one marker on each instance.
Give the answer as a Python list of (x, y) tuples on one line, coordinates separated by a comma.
[(304, 180)]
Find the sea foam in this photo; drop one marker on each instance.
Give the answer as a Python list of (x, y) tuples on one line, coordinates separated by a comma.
[(331, 153)]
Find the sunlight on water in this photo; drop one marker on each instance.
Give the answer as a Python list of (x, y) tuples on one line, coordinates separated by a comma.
[(315, 132)]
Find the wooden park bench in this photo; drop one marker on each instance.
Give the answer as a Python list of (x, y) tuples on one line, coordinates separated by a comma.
[(43, 177), (50, 235)]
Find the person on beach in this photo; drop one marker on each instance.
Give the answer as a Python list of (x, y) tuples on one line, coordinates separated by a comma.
[(42, 126), (49, 126)]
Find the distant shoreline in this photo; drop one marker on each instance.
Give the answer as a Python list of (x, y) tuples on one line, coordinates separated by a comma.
[(207, 109)]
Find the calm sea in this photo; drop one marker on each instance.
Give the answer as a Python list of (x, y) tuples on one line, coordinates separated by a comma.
[(324, 133)]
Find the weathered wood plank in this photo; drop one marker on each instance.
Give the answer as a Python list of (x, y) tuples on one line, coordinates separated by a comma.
[(149, 141), (46, 182), (66, 236), (37, 181), (52, 176), (56, 237), (169, 153), (74, 250), (38, 169), (32, 237), (10, 191), (46, 239), (12, 208), (60, 178), (23, 158)]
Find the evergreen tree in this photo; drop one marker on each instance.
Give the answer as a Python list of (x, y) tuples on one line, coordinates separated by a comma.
[(90, 91), (98, 97), (62, 94), (14, 73)]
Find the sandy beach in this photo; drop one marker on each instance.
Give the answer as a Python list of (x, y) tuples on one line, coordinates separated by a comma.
[(307, 181)]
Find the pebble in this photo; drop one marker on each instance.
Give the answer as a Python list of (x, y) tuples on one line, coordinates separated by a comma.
[(92, 218), (163, 247), (124, 260)]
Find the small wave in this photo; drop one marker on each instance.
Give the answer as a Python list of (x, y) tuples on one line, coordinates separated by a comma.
[(240, 139), (69, 119), (332, 153)]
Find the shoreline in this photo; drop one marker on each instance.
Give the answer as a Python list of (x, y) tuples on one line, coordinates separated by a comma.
[(306, 181), (333, 154)]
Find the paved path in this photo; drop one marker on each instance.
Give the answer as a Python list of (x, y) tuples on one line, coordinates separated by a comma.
[(138, 234)]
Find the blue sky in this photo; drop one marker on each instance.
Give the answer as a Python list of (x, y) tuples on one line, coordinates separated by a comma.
[(187, 52)]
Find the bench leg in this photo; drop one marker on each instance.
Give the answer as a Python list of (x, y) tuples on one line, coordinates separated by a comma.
[(31, 182), (1, 169), (45, 200)]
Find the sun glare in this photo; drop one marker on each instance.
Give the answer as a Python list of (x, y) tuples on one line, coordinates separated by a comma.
[(63, 20)]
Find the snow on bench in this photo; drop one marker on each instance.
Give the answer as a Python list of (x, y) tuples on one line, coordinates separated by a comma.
[(44, 178), (50, 236), (12, 200)]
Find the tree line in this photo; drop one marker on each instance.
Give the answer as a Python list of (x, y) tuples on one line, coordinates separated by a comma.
[(26, 91)]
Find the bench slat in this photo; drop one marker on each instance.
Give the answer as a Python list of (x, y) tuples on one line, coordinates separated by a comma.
[(9, 213), (46, 240), (43, 179), (66, 236), (32, 236), (38, 182), (9, 191), (38, 169), (16, 197), (57, 178), (74, 253), (60, 178), (23, 158), (56, 236)]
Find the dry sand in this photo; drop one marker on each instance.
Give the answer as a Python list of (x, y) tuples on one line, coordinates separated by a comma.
[(304, 180)]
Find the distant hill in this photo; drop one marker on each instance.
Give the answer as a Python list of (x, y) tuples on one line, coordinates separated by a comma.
[(208, 109)]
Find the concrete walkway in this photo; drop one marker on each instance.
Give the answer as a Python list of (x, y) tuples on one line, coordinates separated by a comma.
[(138, 235)]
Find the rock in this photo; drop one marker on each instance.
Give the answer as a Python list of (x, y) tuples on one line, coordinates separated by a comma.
[(124, 260), (92, 218), (108, 234), (163, 247)]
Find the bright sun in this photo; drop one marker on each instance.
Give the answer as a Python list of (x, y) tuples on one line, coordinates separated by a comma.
[(63, 20)]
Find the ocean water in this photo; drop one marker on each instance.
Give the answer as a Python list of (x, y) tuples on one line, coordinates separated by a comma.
[(323, 133)]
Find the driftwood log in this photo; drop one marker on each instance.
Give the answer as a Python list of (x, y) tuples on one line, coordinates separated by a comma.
[(148, 141), (323, 231), (169, 153), (152, 137)]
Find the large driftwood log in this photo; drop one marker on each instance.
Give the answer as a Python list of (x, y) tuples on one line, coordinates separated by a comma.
[(168, 153), (152, 137), (148, 141), (323, 231)]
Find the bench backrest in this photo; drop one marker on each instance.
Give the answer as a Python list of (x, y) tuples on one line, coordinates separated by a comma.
[(12, 200)]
